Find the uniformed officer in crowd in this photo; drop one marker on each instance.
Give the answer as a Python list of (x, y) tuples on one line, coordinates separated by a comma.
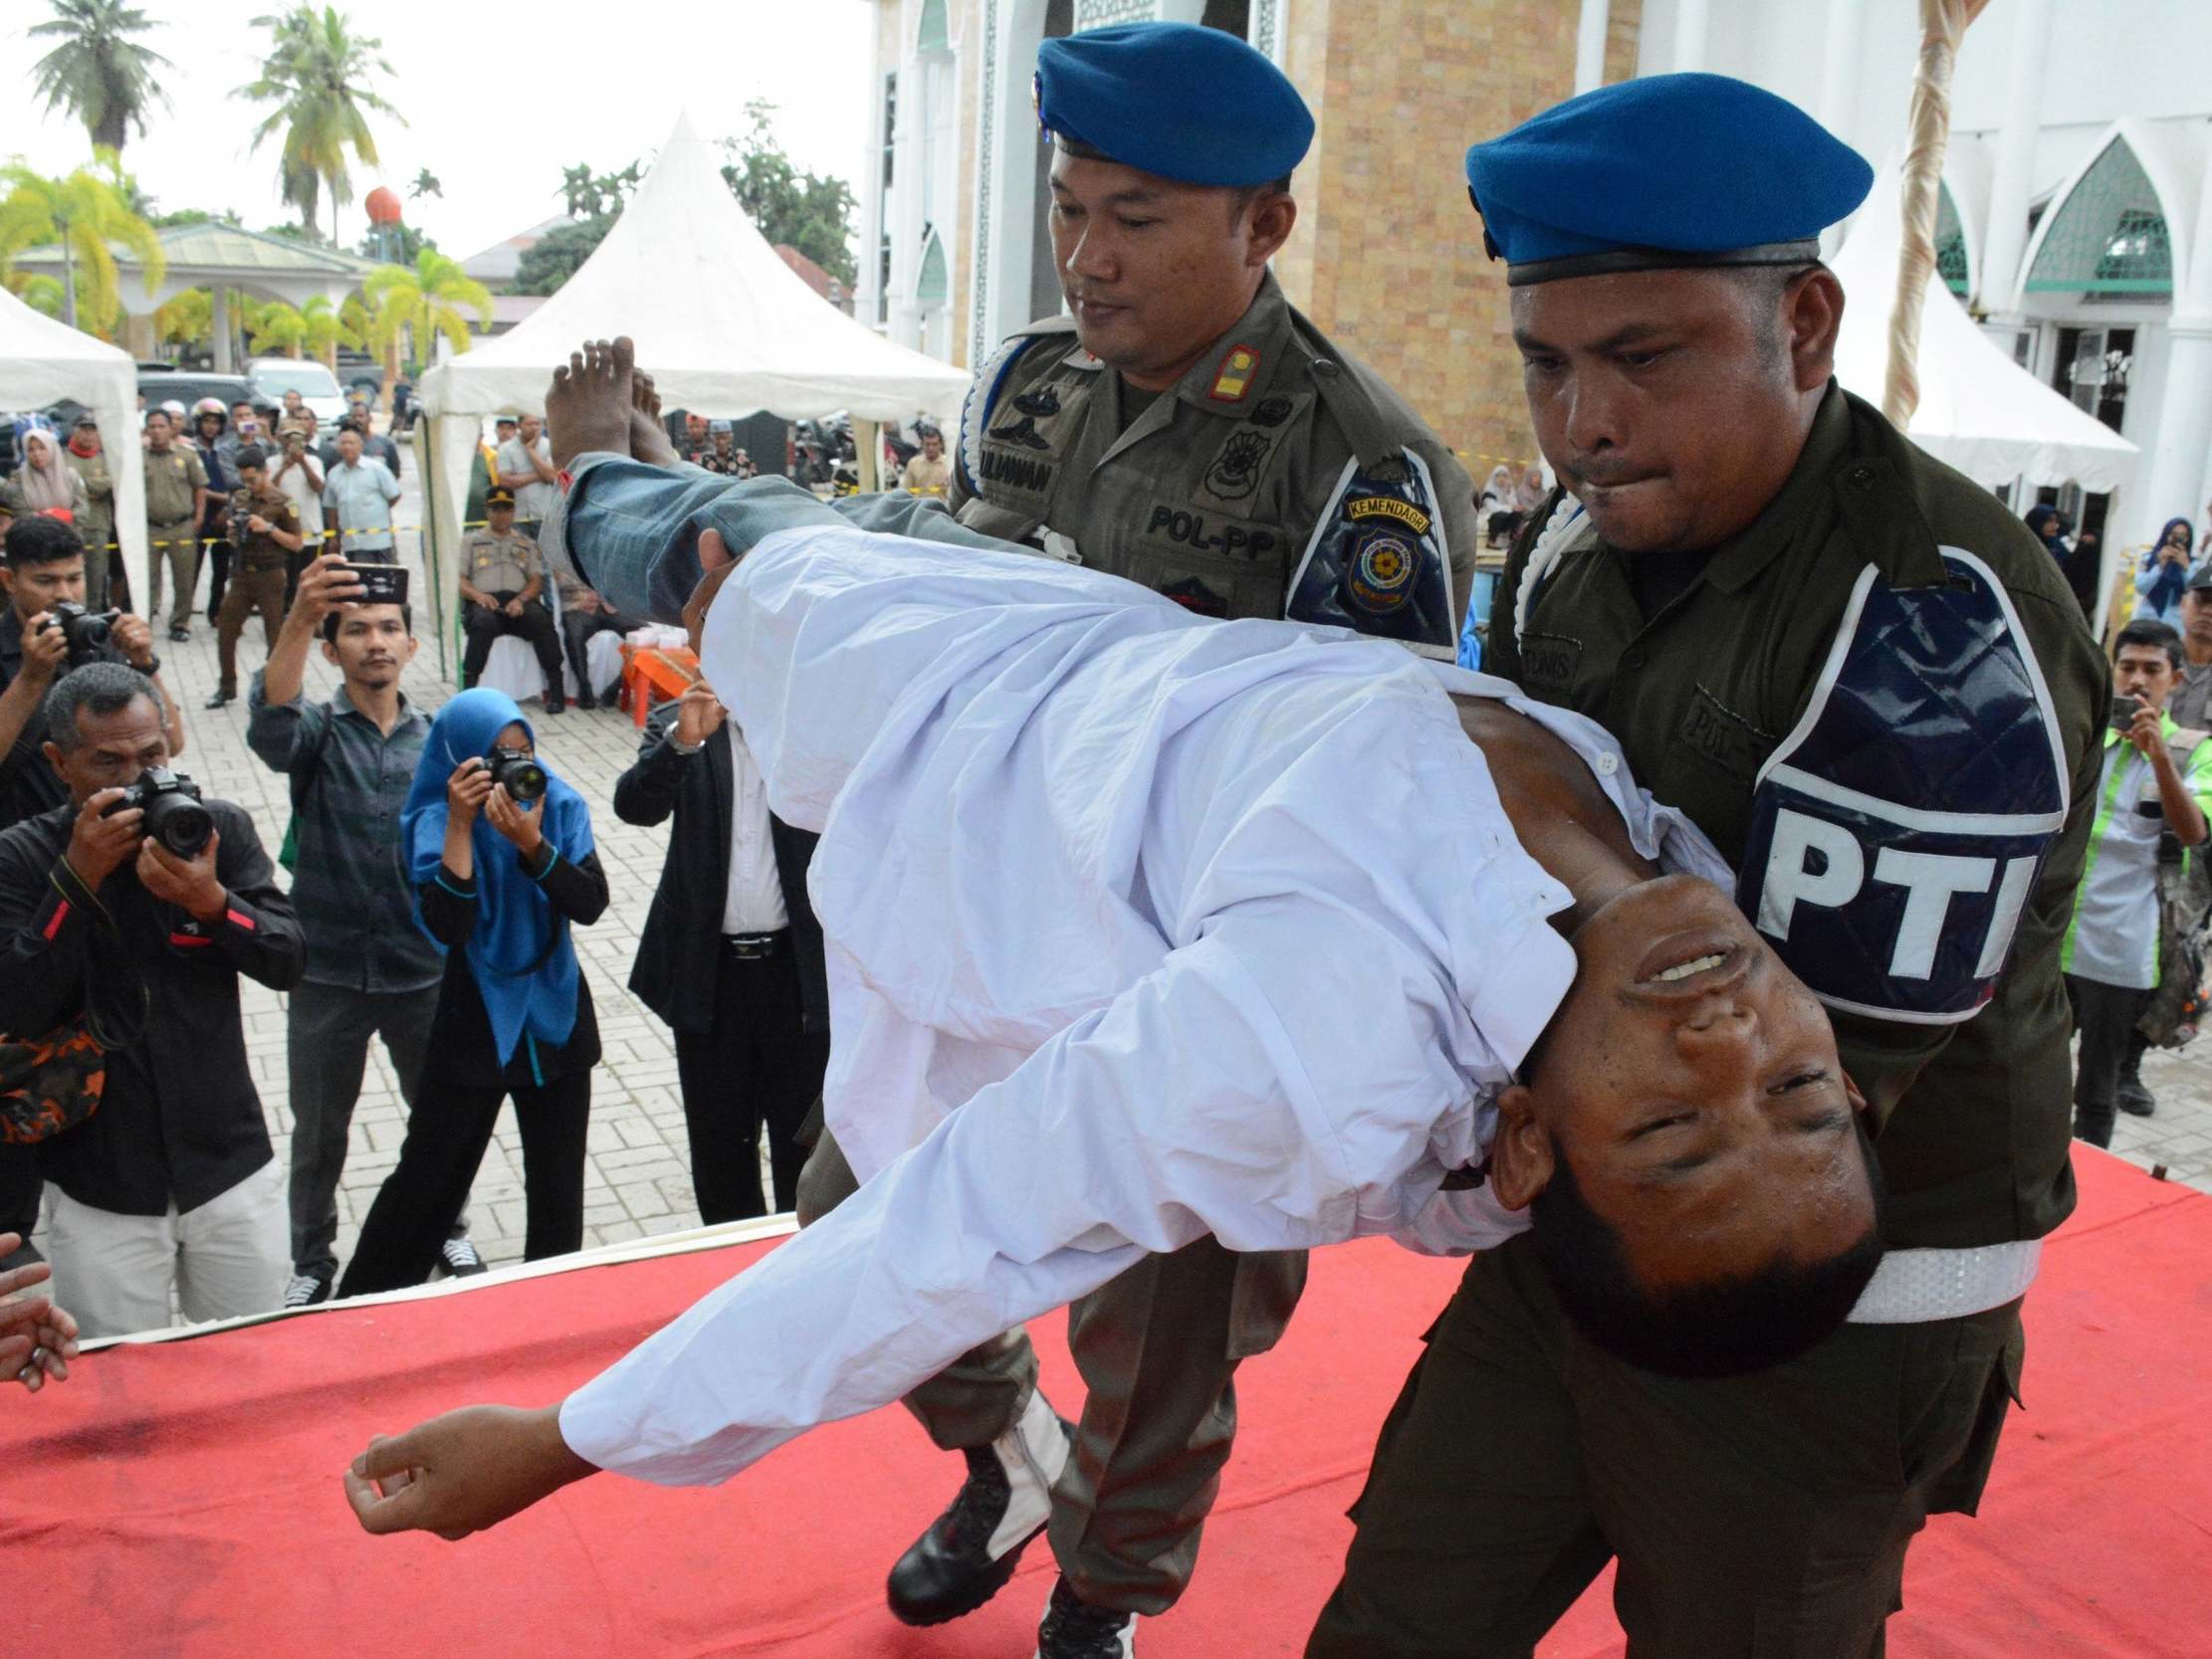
[(1869, 683), (502, 581), (264, 533), (177, 500), (1187, 428)]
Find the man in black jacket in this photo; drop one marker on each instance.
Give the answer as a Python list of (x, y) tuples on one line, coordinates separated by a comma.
[(173, 1180), (732, 955)]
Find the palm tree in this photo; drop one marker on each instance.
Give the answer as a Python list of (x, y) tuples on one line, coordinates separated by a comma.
[(98, 74), (315, 73), (426, 298), (426, 184), (327, 330), (189, 319), (86, 213), (43, 293), (273, 326)]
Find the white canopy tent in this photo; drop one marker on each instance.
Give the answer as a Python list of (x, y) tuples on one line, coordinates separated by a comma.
[(1979, 411), (43, 361), (722, 323)]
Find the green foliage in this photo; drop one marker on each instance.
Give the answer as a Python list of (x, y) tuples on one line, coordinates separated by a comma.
[(88, 213), (191, 216), (273, 326), (189, 319), (426, 184), (558, 255), (293, 233), (425, 299), (809, 212), (406, 242), (43, 293), (98, 73), (316, 72), (602, 195)]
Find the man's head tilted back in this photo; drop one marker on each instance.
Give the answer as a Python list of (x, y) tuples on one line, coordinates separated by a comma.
[(1703, 1198)]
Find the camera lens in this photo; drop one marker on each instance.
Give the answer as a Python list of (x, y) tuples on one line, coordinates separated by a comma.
[(179, 823), (522, 777)]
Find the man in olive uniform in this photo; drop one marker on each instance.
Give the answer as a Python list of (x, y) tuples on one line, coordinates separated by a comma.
[(1869, 683), (1187, 429), (177, 500), (96, 523), (264, 533), (503, 578)]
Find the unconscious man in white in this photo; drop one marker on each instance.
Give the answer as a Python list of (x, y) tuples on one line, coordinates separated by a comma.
[(1143, 927)]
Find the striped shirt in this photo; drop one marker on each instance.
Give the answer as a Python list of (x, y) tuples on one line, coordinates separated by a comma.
[(350, 890)]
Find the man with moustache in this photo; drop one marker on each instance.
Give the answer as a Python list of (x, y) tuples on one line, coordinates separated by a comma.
[(1870, 685)]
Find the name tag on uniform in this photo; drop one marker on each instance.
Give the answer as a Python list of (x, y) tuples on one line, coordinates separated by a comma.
[(1897, 833)]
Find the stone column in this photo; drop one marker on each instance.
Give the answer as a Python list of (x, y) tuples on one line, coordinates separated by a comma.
[(1590, 45), (2171, 477), (1997, 277), (221, 319)]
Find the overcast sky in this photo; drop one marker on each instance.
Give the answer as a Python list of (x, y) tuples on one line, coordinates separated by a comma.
[(499, 98)]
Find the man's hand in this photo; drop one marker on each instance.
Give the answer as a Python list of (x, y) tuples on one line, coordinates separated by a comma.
[(328, 583), (587, 601), (513, 607), (44, 650), (462, 1472), (2147, 733), (99, 844), (37, 1338), (134, 637), (520, 824), (699, 714), (190, 883)]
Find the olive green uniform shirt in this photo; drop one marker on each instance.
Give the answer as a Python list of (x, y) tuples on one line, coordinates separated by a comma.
[(1974, 1116), (1211, 491), (172, 474), (98, 520), (495, 563)]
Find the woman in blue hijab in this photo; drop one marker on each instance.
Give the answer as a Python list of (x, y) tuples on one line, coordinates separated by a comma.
[(2166, 573), (498, 882)]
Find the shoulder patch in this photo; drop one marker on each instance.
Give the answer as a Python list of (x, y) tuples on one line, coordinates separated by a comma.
[(983, 396), (1378, 561)]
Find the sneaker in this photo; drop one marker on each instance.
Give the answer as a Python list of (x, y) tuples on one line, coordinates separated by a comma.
[(971, 1549), (306, 1289), (179, 634), (461, 1259), (1072, 1629)]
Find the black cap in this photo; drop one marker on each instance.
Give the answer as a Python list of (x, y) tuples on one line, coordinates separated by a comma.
[(2200, 579)]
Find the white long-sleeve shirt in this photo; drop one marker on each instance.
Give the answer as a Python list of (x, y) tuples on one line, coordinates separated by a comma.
[(1139, 927)]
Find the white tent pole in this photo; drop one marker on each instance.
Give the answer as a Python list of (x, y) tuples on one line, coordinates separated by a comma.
[(869, 443)]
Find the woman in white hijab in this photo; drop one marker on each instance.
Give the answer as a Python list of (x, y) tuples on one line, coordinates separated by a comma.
[(44, 482)]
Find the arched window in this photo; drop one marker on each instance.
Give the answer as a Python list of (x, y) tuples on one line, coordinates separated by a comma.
[(932, 285), (932, 34), (1950, 244), (2110, 237)]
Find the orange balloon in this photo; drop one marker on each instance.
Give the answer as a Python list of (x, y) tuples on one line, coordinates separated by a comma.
[(383, 206)]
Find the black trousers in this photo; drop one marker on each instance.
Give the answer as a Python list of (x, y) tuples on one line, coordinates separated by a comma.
[(215, 557), (578, 627), (448, 1128), (757, 1064), (536, 625), (20, 1190), (2106, 1016)]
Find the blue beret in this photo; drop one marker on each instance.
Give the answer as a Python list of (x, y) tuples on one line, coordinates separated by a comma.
[(1174, 99), (1661, 172)]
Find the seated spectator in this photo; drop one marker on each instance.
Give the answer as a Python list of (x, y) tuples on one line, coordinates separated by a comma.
[(370, 971), (928, 474), (1494, 507), (2164, 574), (171, 1185), (720, 454), (583, 614), (503, 583), (752, 1032), (265, 535), (498, 882), (2149, 791)]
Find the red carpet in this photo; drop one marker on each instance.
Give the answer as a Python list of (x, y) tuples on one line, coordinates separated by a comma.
[(183, 1499)]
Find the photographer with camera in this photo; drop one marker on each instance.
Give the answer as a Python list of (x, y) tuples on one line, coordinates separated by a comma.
[(131, 911), (264, 534), (501, 855), (2155, 784), (370, 971), (45, 632)]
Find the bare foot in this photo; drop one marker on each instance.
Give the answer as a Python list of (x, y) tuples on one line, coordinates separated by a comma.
[(588, 406), (648, 437)]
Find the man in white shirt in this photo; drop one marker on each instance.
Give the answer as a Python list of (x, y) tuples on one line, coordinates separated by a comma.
[(525, 467), (1141, 929), (358, 498)]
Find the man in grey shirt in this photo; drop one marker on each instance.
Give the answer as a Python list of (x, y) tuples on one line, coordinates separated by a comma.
[(525, 467), (358, 497)]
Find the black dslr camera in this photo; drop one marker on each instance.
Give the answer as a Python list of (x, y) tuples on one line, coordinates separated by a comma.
[(173, 813), (524, 778), (84, 631)]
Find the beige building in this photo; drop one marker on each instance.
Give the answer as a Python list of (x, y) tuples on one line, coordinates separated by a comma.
[(1387, 255)]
